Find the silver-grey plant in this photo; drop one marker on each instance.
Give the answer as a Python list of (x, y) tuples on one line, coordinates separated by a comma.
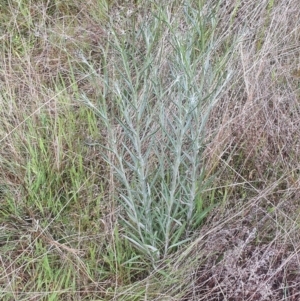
[(159, 87)]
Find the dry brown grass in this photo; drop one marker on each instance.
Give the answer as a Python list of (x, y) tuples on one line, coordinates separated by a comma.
[(254, 256)]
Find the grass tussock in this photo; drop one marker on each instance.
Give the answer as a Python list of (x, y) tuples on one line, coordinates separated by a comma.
[(149, 151)]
